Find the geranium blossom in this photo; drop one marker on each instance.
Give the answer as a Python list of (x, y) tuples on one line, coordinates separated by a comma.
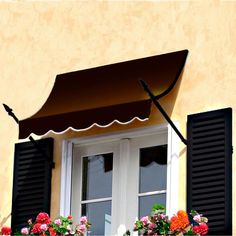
[(201, 229), (179, 221), (82, 228), (57, 222), (197, 218), (145, 220), (25, 231), (37, 228), (83, 220), (44, 226), (6, 230), (157, 223), (43, 218)]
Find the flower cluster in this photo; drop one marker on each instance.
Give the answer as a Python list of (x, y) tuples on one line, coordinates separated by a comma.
[(180, 224), (44, 226), (5, 230)]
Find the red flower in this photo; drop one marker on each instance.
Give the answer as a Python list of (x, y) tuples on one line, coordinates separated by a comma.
[(6, 230), (69, 217), (52, 232), (201, 229), (43, 218), (36, 228)]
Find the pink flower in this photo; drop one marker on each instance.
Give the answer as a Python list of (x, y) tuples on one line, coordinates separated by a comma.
[(145, 220), (57, 222), (151, 226), (197, 218), (24, 231), (162, 216), (83, 220), (149, 232), (43, 227), (30, 221), (82, 228), (155, 234)]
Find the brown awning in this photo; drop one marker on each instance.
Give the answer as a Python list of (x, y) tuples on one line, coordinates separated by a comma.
[(105, 94)]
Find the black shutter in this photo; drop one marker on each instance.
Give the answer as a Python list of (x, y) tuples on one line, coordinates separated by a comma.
[(209, 168), (31, 181)]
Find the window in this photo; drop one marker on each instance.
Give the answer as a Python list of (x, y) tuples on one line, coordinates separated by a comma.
[(116, 178), (97, 191), (152, 177)]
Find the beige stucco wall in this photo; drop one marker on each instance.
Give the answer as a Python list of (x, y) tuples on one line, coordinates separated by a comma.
[(41, 39)]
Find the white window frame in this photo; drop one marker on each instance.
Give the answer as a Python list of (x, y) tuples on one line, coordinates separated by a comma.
[(121, 217)]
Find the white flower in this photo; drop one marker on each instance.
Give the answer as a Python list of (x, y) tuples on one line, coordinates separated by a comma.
[(24, 231), (197, 218), (44, 227)]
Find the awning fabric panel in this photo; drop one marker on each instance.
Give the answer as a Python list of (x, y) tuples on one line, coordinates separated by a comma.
[(104, 94), (79, 120)]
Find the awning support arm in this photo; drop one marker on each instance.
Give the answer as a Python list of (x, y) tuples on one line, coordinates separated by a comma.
[(10, 113), (159, 107)]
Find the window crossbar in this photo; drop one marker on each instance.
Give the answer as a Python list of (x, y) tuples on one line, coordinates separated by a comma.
[(151, 193), (96, 200)]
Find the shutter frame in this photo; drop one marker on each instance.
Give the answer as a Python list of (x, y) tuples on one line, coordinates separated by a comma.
[(212, 116), (25, 177)]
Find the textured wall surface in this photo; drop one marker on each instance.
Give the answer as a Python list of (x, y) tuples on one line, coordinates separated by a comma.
[(42, 39)]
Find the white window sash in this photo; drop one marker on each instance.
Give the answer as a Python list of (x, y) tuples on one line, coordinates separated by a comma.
[(119, 215)]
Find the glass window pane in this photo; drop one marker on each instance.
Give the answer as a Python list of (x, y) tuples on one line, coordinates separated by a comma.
[(146, 203), (153, 168), (97, 176), (99, 214)]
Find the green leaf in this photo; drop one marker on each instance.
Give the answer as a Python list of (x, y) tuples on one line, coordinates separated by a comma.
[(157, 207)]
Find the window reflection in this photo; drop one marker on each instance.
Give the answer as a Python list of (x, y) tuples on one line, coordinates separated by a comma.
[(146, 203), (153, 168), (99, 214), (97, 192), (152, 178), (97, 176)]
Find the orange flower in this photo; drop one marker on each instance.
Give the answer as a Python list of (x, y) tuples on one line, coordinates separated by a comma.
[(179, 222)]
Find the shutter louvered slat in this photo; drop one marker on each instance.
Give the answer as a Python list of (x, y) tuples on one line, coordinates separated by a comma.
[(206, 195), (207, 167), (32, 181), (207, 139), (207, 161), (202, 129), (211, 189), (209, 186), (207, 121), (207, 150), (207, 201), (204, 156), (208, 174), (208, 133), (208, 144)]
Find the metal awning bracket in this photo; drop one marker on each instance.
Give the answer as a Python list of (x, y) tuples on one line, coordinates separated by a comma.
[(159, 107), (10, 113)]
